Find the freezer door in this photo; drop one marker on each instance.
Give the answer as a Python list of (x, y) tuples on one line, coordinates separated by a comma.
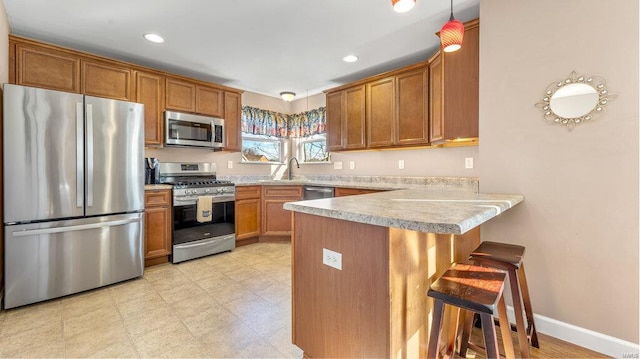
[(43, 154), (52, 259), (114, 156)]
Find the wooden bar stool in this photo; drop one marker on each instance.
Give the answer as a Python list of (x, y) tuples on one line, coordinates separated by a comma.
[(509, 257), (476, 289)]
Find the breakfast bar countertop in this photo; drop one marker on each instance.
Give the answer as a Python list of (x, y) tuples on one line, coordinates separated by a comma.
[(421, 210)]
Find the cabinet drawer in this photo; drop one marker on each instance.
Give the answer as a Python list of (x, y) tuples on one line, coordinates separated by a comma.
[(247, 192), (293, 192), (157, 198)]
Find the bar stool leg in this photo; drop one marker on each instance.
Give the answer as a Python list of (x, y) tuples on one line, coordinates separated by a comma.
[(436, 324), (531, 329), (489, 333), (505, 330), (517, 309), (467, 326)]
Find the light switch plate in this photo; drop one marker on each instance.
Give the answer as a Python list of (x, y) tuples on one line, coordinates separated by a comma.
[(331, 258), (352, 165), (468, 162), (337, 165), (229, 164)]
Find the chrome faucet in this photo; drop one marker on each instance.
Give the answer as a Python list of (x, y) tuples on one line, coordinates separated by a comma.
[(289, 166)]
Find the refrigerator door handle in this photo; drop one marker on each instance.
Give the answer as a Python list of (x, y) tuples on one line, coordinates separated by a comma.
[(89, 155), (81, 227), (79, 152)]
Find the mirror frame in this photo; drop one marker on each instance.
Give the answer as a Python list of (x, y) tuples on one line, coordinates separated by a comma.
[(598, 83)]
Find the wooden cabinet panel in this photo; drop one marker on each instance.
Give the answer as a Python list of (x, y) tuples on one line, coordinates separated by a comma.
[(354, 128), (47, 68), (412, 124), (210, 101), (342, 191), (157, 226), (458, 106), (334, 121), (102, 79), (180, 95), (276, 221), (246, 192), (381, 112), (248, 213), (232, 118), (436, 129), (150, 92)]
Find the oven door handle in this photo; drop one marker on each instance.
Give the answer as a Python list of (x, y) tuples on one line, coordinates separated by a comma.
[(204, 242)]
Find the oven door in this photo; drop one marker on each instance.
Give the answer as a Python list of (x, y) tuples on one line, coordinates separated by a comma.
[(192, 239)]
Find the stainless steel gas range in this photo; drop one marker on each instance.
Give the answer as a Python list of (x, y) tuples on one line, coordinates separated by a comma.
[(214, 230)]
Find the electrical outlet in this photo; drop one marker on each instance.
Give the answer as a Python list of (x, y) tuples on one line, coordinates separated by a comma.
[(337, 165), (468, 162), (331, 258), (400, 164), (352, 165), (229, 164)]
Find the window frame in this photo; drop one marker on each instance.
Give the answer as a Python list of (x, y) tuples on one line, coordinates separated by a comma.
[(268, 139), (301, 141)]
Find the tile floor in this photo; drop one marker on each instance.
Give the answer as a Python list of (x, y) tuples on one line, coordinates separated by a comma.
[(235, 304)]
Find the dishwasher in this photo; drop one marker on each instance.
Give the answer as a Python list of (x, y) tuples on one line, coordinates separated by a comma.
[(316, 192)]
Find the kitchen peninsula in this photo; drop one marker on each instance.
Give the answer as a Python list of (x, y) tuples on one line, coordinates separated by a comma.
[(366, 295)]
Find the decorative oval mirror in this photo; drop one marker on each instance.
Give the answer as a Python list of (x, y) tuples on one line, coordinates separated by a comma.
[(574, 100)]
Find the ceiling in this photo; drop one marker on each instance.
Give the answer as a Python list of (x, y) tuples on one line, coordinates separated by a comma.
[(262, 46)]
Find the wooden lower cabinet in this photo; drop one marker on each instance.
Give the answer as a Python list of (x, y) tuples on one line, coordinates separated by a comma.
[(157, 226), (276, 221), (342, 191), (248, 211)]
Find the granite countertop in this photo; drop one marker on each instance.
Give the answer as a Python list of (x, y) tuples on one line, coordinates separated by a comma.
[(151, 187), (422, 210), (383, 183)]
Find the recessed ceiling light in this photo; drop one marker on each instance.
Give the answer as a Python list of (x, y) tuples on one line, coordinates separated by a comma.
[(154, 38), (350, 58)]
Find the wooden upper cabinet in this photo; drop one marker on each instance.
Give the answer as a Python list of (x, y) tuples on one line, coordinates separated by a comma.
[(210, 101), (334, 121), (436, 126), (354, 124), (412, 122), (232, 118), (42, 66), (103, 79), (381, 112), (459, 99), (180, 95), (346, 119), (150, 92)]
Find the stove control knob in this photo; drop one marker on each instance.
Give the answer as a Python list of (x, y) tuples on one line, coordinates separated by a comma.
[(207, 190), (219, 190), (194, 191)]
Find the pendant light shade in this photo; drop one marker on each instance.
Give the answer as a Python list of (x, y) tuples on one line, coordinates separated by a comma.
[(451, 34), (403, 5)]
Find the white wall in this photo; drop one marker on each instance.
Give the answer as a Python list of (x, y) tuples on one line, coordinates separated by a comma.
[(579, 220)]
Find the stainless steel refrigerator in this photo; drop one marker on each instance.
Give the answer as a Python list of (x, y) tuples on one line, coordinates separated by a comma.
[(73, 193)]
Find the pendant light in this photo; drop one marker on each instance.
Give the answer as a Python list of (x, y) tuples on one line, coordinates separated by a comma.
[(403, 5), (451, 34)]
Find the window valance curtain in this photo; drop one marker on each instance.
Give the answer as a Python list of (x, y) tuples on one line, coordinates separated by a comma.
[(274, 124)]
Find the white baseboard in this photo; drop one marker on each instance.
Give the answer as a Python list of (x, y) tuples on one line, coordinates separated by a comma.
[(585, 338)]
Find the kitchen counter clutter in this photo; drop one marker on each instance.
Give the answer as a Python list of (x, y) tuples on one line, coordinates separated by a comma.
[(151, 187), (413, 209)]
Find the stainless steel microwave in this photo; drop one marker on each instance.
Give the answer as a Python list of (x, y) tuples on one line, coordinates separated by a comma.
[(187, 130)]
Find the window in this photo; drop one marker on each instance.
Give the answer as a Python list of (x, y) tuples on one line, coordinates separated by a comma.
[(257, 148), (313, 149)]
